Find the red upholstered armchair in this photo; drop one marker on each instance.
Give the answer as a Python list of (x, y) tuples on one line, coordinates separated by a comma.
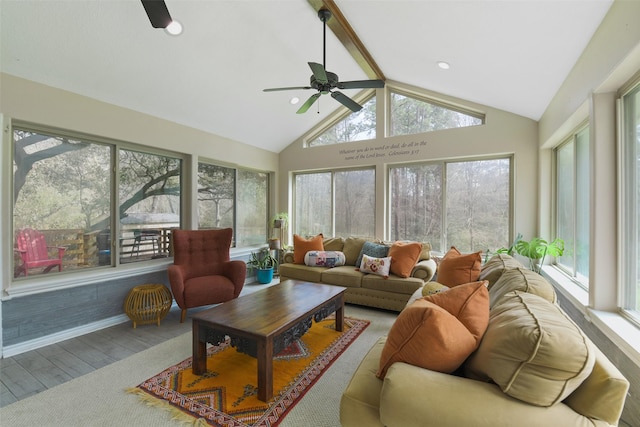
[(202, 272)]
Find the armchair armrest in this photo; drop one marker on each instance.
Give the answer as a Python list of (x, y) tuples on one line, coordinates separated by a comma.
[(425, 269)]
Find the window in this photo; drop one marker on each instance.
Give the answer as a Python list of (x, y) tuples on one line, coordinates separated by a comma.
[(337, 203), (355, 127), (463, 204), (235, 198), (631, 203), (63, 188), (572, 205), (149, 204), (410, 115)]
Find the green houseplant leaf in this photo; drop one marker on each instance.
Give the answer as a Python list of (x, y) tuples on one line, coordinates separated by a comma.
[(537, 249)]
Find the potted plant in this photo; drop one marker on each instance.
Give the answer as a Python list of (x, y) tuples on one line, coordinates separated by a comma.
[(280, 220), (264, 264), (536, 250)]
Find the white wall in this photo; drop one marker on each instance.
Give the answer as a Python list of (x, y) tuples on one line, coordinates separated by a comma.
[(503, 133), (37, 103)]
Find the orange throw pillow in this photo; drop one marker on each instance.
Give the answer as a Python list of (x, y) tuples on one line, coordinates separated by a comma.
[(301, 246), (404, 256), (430, 336), (455, 268)]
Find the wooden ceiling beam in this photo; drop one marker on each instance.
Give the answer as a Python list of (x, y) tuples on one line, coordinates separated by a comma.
[(348, 37)]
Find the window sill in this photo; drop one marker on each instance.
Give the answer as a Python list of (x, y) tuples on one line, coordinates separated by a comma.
[(624, 334)]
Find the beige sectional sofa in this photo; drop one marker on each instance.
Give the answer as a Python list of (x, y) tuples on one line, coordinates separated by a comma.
[(533, 367), (391, 293)]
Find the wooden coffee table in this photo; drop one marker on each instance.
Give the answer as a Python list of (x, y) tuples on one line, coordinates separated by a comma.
[(264, 323)]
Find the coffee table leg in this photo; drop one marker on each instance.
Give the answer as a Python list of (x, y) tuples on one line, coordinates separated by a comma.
[(199, 363), (340, 315), (265, 369)]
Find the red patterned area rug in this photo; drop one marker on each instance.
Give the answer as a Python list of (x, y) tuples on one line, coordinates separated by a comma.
[(226, 395)]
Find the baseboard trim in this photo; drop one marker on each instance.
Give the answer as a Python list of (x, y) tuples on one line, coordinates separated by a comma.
[(34, 344)]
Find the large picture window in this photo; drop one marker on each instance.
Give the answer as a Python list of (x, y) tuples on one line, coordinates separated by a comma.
[(572, 205), (236, 198), (336, 203), (410, 115), (63, 210), (631, 204), (463, 204)]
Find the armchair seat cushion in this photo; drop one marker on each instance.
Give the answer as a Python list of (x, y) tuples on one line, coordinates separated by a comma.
[(201, 290)]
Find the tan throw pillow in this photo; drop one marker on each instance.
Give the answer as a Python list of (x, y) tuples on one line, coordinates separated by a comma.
[(404, 256), (497, 264), (333, 244), (532, 351), (455, 268), (426, 251), (524, 280), (431, 337), (352, 248), (301, 246)]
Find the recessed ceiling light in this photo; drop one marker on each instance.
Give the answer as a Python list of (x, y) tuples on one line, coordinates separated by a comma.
[(294, 100), (443, 65), (174, 28)]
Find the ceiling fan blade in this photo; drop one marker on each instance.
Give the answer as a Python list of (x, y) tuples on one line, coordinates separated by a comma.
[(273, 89), (157, 12), (361, 84), (319, 72), (346, 101), (309, 103)]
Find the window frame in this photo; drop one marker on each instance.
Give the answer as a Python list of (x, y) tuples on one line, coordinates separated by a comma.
[(338, 115), (443, 240), (572, 273), (332, 172), (629, 211), (73, 278), (390, 90)]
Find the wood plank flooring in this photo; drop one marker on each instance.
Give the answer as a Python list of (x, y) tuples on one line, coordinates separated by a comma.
[(32, 372)]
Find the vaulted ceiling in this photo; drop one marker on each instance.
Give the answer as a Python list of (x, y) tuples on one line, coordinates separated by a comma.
[(509, 54)]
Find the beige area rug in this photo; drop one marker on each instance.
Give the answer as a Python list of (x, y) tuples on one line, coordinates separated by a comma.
[(100, 398)]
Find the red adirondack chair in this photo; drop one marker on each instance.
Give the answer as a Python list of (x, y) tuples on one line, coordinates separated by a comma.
[(34, 252)]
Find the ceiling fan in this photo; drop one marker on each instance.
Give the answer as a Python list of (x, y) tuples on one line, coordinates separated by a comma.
[(157, 12), (325, 81)]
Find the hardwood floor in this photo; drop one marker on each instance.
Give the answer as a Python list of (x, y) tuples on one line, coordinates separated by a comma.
[(32, 372)]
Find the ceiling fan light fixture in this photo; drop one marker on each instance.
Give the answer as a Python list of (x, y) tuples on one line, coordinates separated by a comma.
[(174, 28), (294, 100), (444, 65)]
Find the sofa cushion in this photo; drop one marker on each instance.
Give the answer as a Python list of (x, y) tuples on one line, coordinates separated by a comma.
[(328, 259), (456, 268), (392, 283), (344, 275), (352, 248), (301, 246), (428, 335), (333, 244), (371, 249), (302, 272), (497, 264), (404, 256), (524, 280), (373, 265), (532, 351)]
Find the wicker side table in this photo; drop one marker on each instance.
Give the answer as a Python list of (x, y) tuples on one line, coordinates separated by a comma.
[(148, 304)]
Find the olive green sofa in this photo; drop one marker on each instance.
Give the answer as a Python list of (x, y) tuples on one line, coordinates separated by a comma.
[(529, 347), (391, 293)]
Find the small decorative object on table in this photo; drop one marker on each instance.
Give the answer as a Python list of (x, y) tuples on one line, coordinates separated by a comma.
[(148, 304)]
